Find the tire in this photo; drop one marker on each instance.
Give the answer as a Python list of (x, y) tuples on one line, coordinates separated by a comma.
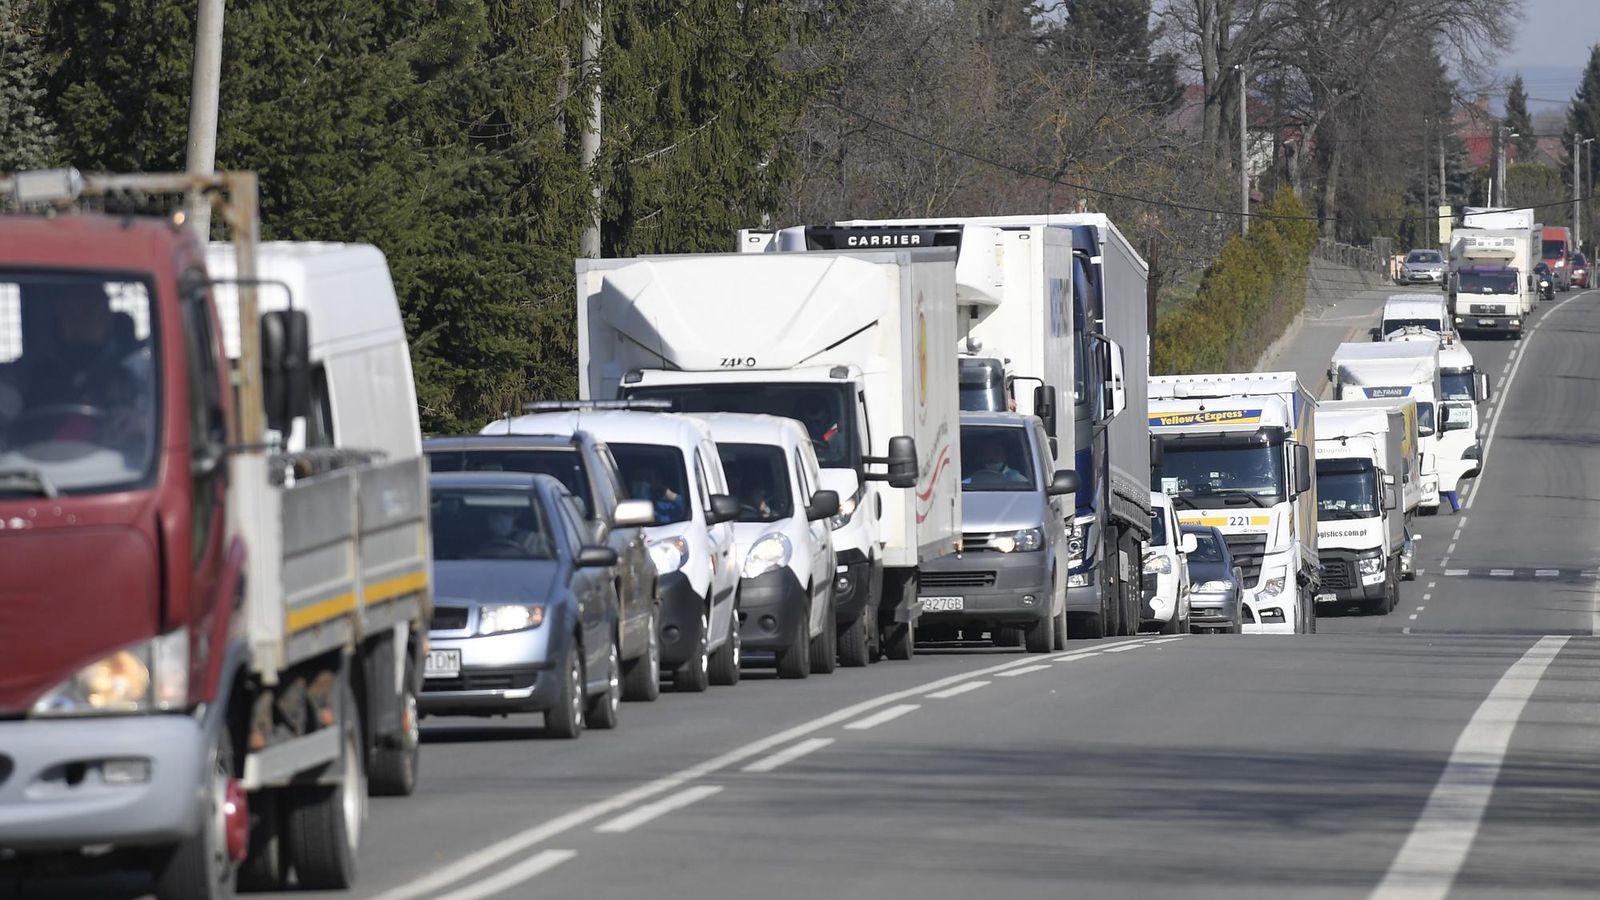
[(1058, 625), (1173, 625), (266, 867), (1040, 637), (641, 680), (900, 640), (874, 637), (324, 828), (1007, 636), (694, 676), (603, 709), (394, 769), (199, 867), (794, 661), (853, 646), (565, 719), (724, 665), (825, 646)]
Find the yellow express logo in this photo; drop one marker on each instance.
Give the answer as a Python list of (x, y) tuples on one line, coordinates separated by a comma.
[(1210, 417)]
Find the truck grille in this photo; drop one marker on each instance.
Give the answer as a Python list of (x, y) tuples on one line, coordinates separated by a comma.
[(1338, 574), (956, 580), (1247, 551), (449, 618)]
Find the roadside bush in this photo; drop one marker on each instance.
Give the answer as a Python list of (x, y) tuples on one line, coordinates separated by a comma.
[(1247, 298)]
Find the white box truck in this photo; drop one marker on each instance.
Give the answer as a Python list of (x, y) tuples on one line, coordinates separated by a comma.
[(1399, 369), (1361, 527), (1491, 282), (1236, 453), (853, 345)]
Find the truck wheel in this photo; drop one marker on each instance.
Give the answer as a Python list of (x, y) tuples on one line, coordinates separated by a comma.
[(200, 866), (853, 649), (394, 768), (874, 637), (325, 822), (794, 661), (642, 681), (565, 718), (1040, 637), (825, 646), (899, 641), (603, 709), (694, 676), (1007, 636), (266, 866), (725, 662)]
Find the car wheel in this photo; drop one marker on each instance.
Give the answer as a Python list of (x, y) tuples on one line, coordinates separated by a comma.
[(794, 660), (564, 719), (643, 679), (1173, 625), (604, 708), (1058, 624), (725, 662), (694, 675), (825, 646), (325, 823), (853, 647), (200, 866), (1040, 637), (394, 768)]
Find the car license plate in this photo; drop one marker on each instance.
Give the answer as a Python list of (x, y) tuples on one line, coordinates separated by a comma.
[(942, 604), (1485, 321), (1327, 598), (442, 664)]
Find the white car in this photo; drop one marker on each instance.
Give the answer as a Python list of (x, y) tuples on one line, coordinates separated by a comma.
[(1166, 569), (783, 540), (670, 460)]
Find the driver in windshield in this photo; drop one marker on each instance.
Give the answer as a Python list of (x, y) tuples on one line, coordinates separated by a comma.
[(649, 485), (993, 466), (819, 420), (506, 539)]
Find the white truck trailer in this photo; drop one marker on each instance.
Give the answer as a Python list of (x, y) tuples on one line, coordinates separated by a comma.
[(856, 346), (1399, 369), (1361, 525), (1237, 454)]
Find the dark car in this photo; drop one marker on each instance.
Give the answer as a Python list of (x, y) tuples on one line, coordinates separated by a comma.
[(1580, 270), (525, 614), (1214, 600), (587, 469)]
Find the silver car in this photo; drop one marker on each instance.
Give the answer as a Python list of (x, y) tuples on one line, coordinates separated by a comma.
[(1422, 267)]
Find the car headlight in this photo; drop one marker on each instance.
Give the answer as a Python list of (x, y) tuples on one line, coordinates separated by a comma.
[(768, 554), (1370, 565), (1272, 587), (669, 554), (148, 676), (847, 508), (505, 617), (1024, 541), (1214, 587), (1157, 563)]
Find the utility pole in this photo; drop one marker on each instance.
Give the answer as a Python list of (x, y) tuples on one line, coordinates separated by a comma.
[(1244, 155), (1588, 167), (203, 107), (590, 141), (1577, 220), (1427, 191)]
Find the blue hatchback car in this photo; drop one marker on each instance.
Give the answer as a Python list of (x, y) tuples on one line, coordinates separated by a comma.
[(1214, 601)]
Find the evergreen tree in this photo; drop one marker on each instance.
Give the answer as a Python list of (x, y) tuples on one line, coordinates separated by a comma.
[(27, 137), (1583, 118), (1117, 34), (1517, 120)]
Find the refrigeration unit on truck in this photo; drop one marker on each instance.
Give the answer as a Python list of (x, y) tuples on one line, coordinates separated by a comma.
[(1236, 454), (1103, 349), (1496, 217), (1361, 526), (856, 346), (213, 697), (1491, 283), (1400, 369)]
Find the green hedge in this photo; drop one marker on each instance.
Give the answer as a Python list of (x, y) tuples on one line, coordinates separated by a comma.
[(1247, 298)]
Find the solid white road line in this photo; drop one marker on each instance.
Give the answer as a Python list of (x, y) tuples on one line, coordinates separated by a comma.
[(1072, 656), (535, 865), (651, 811), (887, 715), (1121, 647), (958, 690), (1025, 670), (517, 843), (1433, 854), (790, 754), (1167, 640)]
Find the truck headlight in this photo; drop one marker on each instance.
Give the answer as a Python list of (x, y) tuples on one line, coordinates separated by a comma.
[(1273, 586), (1078, 579), (770, 553), (1157, 563), (506, 617), (1024, 541), (1371, 565), (847, 508), (148, 676), (669, 554)]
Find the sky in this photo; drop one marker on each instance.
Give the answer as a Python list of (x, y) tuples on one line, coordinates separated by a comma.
[(1550, 49)]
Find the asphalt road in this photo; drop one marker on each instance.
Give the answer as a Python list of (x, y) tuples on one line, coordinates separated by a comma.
[(1448, 748)]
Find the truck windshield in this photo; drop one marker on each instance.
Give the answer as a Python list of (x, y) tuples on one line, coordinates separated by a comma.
[(1488, 282), (1347, 489), (565, 465), (826, 410), (996, 458), (982, 385), (485, 524), (1224, 472), (1456, 385), (78, 383), (655, 473), (758, 476)]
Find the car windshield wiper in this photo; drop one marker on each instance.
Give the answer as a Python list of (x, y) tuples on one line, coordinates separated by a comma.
[(1241, 492), (28, 479)]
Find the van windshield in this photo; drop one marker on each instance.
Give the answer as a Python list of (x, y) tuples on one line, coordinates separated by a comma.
[(1488, 282), (996, 458), (826, 410), (78, 383), (655, 473), (758, 477), (1554, 249), (1390, 326)]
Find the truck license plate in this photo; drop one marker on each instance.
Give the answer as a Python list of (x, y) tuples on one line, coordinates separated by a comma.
[(1485, 321), (1327, 598), (442, 664), (942, 604)]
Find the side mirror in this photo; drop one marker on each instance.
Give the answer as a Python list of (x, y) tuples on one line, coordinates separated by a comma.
[(1391, 498), (1064, 481), (1044, 406), (285, 367), (634, 514), (1189, 543), (1119, 382), (1333, 374), (596, 557), (1376, 332), (1483, 392), (824, 505), (901, 461), (1302, 468), (723, 509)]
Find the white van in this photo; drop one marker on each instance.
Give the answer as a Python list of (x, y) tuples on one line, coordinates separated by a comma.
[(1407, 314), (670, 460), (1166, 569), (783, 540)]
